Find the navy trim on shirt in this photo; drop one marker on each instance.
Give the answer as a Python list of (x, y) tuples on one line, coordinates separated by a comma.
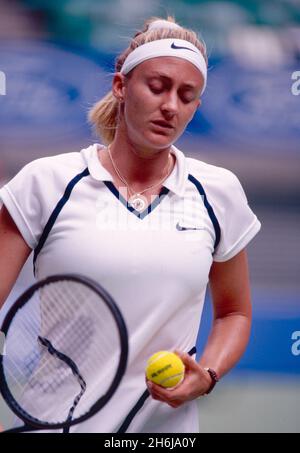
[(209, 208), (55, 213), (141, 215)]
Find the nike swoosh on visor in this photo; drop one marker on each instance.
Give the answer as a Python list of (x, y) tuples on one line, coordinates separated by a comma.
[(173, 46)]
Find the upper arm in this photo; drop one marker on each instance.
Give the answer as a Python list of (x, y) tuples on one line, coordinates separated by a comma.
[(14, 252), (230, 287)]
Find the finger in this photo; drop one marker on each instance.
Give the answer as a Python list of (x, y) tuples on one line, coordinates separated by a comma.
[(155, 387), (154, 390), (157, 397), (166, 396), (188, 360), (175, 404), (170, 399), (164, 393)]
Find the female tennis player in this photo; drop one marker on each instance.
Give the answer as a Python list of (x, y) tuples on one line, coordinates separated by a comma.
[(152, 226)]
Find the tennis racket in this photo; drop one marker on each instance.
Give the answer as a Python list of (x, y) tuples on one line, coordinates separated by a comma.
[(66, 350)]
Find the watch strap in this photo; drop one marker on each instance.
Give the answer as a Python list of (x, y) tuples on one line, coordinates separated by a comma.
[(214, 379)]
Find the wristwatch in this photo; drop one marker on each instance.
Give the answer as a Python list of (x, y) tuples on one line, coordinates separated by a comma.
[(214, 378)]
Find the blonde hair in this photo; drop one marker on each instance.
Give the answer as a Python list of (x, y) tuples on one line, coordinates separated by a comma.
[(105, 113)]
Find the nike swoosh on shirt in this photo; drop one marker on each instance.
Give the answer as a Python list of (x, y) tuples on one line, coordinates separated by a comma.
[(173, 46), (182, 228)]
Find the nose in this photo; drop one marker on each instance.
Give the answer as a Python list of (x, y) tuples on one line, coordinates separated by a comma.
[(170, 105)]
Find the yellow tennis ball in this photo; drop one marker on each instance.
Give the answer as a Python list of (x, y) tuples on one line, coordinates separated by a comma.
[(165, 368)]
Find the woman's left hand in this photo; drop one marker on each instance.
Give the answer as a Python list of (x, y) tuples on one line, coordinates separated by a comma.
[(196, 382)]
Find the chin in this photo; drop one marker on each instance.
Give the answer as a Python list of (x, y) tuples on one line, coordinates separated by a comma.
[(152, 140), (159, 140)]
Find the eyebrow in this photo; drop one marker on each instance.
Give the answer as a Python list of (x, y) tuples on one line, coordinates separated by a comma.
[(164, 76)]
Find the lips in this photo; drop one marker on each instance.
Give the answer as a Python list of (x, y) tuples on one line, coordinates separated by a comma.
[(163, 124)]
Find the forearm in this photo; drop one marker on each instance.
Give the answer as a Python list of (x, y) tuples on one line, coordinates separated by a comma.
[(227, 342)]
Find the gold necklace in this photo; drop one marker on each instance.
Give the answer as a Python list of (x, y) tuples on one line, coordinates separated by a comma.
[(136, 200)]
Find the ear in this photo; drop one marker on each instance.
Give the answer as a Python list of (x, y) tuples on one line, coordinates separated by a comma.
[(199, 103), (118, 86)]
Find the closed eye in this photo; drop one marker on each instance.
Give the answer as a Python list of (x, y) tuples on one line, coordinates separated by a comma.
[(188, 100), (156, 90)]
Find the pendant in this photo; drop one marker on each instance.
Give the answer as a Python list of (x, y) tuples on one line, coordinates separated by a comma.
[(138, 202)]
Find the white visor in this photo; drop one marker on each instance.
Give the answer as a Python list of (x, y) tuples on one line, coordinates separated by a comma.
[(167, 48)]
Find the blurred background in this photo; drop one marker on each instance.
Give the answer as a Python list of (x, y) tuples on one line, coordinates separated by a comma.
[(58, 59)]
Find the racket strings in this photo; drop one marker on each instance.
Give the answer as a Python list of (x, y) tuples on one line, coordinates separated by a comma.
[(74, 369), (78, 320)]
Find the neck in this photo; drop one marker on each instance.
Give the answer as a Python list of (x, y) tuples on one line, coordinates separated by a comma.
[(139, 165)]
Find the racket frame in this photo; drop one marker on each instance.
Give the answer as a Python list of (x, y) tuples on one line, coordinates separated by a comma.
[(32, 423)]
